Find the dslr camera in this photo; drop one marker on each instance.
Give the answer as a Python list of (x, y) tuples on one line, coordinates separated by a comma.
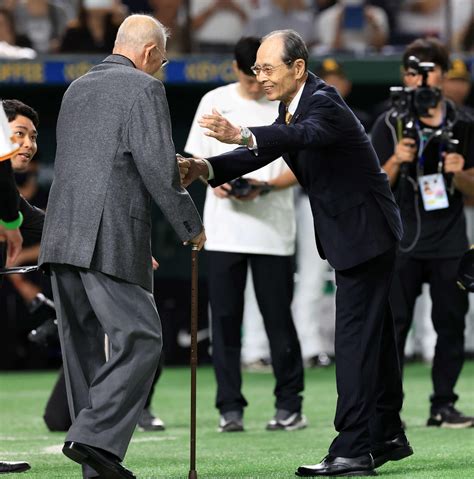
[(416, 102), (241, 187), (409, 104)]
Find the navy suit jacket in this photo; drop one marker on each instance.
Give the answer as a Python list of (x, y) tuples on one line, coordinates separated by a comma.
[(355, 215)]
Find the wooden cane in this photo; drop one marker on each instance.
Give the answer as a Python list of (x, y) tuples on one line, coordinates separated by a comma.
[(194, 326)]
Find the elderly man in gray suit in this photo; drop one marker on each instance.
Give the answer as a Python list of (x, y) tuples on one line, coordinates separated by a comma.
[(114, 155)]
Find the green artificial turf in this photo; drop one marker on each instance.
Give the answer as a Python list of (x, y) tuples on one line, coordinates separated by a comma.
[(254, 454)]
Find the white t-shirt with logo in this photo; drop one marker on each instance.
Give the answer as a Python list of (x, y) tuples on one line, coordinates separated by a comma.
[(265, 225)]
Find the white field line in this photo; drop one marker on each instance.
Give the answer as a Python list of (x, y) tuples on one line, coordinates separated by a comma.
[(56, 448)]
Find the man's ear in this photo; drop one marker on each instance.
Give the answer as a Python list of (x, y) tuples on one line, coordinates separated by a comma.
[(235, 68), (300, 69), (147, 52)]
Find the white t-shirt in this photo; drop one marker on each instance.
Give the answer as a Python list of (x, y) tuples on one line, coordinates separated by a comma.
[(273, 18), (434, 23), (224, 26), (326, 28), (265, 225)]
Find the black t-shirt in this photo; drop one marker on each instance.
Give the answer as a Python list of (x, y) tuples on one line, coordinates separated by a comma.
[(9, 198), (442, 233), (31, 228)]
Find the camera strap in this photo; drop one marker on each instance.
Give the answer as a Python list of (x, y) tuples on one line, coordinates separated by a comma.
[(425, 139), (432, 187)]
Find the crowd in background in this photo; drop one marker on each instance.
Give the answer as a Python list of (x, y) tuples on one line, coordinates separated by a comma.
[(31, 27)]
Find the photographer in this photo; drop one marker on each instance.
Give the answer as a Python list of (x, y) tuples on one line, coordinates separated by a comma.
[(23, 122), (250, 224), (10, 235), (427, 150), (9, 232)]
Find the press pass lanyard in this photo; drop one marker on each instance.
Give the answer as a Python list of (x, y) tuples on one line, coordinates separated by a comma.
[(424, 140)]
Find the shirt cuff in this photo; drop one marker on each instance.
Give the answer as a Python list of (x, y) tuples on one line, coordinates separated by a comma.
[(254, 146), (210, 176)]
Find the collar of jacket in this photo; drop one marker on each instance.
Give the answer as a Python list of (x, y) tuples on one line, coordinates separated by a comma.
[(120, 59), (452, 113)]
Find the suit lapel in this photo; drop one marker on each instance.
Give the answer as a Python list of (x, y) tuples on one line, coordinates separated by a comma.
[(312, 83)]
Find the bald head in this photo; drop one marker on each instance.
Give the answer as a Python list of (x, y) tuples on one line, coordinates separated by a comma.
[(137, 37), (138, 30)]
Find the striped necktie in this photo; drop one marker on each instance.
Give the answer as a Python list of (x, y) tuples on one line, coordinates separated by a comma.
[(288, 117)]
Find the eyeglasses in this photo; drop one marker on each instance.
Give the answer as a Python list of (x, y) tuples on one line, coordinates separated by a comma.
[(267, 70), (164, 60)]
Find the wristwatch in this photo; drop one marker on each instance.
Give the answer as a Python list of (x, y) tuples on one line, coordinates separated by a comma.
[(245, 134), (265, 188)]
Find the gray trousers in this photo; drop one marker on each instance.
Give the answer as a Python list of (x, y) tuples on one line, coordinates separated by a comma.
[(105, 398)]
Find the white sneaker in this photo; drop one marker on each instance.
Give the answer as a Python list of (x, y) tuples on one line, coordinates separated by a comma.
[(287, 421)]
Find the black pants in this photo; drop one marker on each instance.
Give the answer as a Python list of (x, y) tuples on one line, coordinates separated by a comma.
[(450, 305), (273, 283), (367, 368)]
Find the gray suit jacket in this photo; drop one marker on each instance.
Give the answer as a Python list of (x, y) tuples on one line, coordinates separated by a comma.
[(114, 154)]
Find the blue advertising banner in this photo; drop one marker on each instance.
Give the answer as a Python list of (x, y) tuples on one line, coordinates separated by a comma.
[(62, 70)]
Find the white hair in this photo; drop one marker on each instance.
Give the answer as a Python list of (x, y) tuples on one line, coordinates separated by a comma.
[(138, 30)]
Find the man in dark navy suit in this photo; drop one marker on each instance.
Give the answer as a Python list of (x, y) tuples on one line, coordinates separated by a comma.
[(357, 226)]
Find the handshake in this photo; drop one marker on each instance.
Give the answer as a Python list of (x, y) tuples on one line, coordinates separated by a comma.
[(191, 169), (216, 127), (245, 189)]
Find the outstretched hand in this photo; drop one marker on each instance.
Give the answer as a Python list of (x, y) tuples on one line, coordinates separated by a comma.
[(220, 128), (14, 242), (190, 169)]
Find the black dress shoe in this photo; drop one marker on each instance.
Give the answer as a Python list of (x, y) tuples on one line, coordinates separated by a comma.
[(106, 464), (393, 449), (340, 466), (6, 467)]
